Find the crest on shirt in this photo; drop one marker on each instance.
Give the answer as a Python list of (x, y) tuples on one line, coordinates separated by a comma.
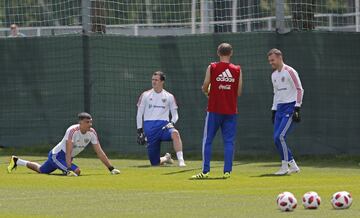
[(150, 99), (163, 100), (86, 141), (283, 79)]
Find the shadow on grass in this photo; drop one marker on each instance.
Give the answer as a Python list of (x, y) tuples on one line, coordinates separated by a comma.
[(271, 165), (199, 168), (209, 178), (143, 166), (328, 163), (181, 171), (60, 174), (269, 175)]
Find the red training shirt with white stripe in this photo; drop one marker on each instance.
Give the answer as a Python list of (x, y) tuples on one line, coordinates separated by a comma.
[(224, 80), (79, 140), (287, 87)]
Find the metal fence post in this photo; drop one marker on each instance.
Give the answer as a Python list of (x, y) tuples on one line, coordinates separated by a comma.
[(193, 16), (85, 15), (86, 25), (280, 16), (204, 13), (234, 16), (357, 15)]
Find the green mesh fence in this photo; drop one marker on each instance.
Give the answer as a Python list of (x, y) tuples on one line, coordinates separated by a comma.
[(46, 81)]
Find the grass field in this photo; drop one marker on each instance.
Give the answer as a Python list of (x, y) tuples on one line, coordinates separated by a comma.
[(142, 191)]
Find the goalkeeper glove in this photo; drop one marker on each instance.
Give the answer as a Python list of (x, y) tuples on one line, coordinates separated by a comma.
[(273, 116), (113, 171), (141, 139), (70, 172), (296, 115), (170, 125)]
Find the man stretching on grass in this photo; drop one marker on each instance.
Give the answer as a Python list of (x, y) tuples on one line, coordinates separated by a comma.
[(76, 138)]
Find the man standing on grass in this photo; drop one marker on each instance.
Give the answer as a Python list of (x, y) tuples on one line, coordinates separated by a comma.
[(288, 95), (76, 138), (153, 125), (225, 79)]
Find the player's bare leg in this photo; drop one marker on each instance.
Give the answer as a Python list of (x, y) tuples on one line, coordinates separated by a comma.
[(15, 161), (178, 147), (33, 166)]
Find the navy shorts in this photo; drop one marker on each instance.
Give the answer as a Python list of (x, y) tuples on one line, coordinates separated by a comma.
[(155, 134), (55, 161)]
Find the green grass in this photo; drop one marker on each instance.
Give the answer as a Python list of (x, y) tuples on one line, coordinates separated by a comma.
[(167, 191)]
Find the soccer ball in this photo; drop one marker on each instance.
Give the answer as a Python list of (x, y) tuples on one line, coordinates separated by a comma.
[(286, 201), (341, 200), (311, 200)]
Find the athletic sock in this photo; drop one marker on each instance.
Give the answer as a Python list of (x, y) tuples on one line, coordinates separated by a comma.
[(292, 163), (179, 155), (21, 162), (284, 164)]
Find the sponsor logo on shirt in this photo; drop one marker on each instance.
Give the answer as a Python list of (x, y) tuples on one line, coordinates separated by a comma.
[(225, 87), (159, 106), (79, 146), (156, 106), (225, 76)]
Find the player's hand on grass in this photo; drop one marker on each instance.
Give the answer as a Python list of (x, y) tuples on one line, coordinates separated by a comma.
[(296, 115), (273, 116), (169, 126), (114, 171), (141, 139)]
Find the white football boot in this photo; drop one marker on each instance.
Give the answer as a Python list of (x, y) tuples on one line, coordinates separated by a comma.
[(284, 169), (293, 167), (168, 158), (182, 164)]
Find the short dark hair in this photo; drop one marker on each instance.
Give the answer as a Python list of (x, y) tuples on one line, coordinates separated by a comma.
[(84, 115), (13, 26), (275, 51), (224, 49), (161, 74)]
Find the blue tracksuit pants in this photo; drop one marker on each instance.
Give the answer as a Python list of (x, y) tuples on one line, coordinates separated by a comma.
[(227, 123), (283, 124)]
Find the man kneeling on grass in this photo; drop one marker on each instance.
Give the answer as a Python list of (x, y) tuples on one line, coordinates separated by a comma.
[(76, 138)]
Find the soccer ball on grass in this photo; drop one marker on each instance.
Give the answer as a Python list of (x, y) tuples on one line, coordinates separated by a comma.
[(286, 201)]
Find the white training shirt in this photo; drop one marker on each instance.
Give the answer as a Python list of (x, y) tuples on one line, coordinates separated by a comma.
[(287, 87), (156, 106), (79, 140)]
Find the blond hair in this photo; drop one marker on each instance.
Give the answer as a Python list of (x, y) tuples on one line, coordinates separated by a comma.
[(275, 51), (224, 49)]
